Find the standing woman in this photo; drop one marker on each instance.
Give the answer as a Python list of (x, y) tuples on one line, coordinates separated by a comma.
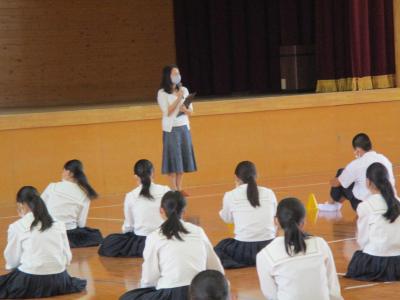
[(37, 252), (142, 215), (69, 200), (178, 154)]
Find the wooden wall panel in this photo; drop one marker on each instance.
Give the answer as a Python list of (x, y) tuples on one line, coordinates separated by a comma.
[(281, 143), (58, 52)]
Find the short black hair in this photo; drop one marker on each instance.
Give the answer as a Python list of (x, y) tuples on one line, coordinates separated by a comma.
[(362, 141), (209, 285)]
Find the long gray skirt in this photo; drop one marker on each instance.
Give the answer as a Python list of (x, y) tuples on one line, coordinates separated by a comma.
[(178, 154)]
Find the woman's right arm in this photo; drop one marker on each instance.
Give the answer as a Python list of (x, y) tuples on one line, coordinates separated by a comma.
[(225, 213), (167, 107), (82, 218), (129, 221), (13, 251), (267, 282), (151, 272)]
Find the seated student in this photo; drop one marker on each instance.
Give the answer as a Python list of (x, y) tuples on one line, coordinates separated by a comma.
[(68, 201), (142, 215), (297, 266), (173, 255), (209, 285), (252, 210), (37, 252), (378, 229), (350, 182)]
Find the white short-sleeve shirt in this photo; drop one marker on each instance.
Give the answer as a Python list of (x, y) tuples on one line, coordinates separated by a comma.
[(311, 275), (252, 224), (355, 172), (67, 203), (34, 251), (169, 121), (170, 263), (142, 215), (375, 234)]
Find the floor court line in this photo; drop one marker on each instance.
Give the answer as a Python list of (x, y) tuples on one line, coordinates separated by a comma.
[(342, 240), (367, 285)]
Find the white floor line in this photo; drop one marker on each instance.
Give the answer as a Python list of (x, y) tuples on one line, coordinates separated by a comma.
[(8, 217), (221, 193), (342, 240), (361, 286), (341, 274)]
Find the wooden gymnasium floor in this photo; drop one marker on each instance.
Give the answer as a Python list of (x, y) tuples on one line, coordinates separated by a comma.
[(110, 277)]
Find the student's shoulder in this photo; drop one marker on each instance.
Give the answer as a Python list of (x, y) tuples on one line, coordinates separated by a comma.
[(384, 159), (192, 228), (159, 188), (274, 251), (354, 164), (21, 225), (373, 204), (133, 193), (228, 195), (266, 192), (51, 186)]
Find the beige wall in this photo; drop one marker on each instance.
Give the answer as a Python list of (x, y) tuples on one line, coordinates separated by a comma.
[(57, 52)]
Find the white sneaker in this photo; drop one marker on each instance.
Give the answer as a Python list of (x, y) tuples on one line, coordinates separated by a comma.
[(330, 206)]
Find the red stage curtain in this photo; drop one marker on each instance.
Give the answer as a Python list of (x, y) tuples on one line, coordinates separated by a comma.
[(354, 45)]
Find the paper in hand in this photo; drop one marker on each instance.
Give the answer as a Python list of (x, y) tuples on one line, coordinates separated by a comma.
[(189, 99)]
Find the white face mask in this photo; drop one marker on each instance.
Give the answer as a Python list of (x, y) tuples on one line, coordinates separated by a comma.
[(176, 79)]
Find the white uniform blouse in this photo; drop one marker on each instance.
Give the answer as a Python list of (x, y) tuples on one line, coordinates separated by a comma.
[(142, 215), (67, 203), (173, 263), (252, 224), (34, 251), (169, 121), (375, 235), (310, 276), (356, 172)]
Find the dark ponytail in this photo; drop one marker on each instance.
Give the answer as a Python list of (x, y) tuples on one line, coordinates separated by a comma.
[(76, 168), (29, 195), (378, 175), (144, 170), (173, 204), (246, 172), (291, 214)]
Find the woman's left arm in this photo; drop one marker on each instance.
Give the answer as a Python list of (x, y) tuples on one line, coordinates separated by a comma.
[(187, 111)]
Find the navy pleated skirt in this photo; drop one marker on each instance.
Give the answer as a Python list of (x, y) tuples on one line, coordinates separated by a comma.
[(20, 285), (84, 237), (235, 254), (179, 293), (373, 268), (178, 154), (123, 245)]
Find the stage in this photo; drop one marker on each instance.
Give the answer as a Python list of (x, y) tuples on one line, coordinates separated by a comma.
[(284, 135)]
